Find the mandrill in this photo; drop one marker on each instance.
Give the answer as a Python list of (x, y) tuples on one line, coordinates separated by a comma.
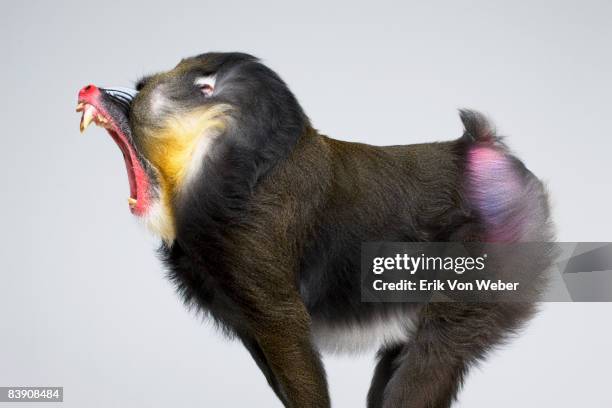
[(262, 218)]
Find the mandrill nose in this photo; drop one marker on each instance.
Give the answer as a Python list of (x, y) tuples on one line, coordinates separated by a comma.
[(89, 92), (121, 94)]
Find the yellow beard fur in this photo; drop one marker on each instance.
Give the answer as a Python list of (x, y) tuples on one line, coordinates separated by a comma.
[(172, 150)]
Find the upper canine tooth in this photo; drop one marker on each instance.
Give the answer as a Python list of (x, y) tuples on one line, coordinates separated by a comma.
[(80, 106), (132, 202), (88, 115)]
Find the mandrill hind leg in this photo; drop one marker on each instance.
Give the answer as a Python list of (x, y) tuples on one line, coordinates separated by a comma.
[(428, 371), (387, 363)]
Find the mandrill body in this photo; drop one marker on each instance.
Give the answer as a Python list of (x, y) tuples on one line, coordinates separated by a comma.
[(262, 220)]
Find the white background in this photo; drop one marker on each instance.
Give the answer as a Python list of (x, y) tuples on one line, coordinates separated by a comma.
[(84, 303)]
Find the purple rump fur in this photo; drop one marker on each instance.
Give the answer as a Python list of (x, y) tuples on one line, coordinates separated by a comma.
[(510, 200)]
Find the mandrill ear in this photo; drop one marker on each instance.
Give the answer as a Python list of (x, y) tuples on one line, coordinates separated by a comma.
[(206, 84)]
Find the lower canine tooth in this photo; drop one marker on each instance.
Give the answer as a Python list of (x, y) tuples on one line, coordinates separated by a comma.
[(88, 115), (132, 202)]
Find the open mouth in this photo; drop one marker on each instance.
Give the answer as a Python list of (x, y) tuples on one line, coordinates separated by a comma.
[(108, 108)]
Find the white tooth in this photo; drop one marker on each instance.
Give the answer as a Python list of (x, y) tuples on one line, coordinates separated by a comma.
[(132, 202), (80, 107), (88, 115)]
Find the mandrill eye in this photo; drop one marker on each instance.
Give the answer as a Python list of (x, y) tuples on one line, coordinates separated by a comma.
[(206, 84)]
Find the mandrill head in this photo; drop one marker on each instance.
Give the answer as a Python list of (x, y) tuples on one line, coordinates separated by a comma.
[(199, 136)]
